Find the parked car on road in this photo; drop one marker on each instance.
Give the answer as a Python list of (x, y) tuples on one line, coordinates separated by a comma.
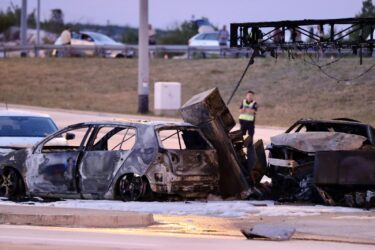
[(114, 160), (89, 38), (23, 129)]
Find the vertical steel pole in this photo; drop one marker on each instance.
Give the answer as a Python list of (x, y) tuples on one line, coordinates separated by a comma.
[(23, 32), (38, 29), (143, 58)]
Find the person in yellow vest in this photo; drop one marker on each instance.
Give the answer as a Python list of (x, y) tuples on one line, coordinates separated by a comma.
[(248, 110)]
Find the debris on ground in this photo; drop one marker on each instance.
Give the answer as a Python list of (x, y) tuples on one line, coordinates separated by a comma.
[(269, 232)]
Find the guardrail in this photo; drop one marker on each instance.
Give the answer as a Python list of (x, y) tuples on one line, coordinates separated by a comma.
[(113, 50)]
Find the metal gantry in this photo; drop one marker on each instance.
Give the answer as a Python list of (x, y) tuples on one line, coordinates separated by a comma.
[(273, 34)]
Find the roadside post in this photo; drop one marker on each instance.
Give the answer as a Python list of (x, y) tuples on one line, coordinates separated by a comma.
[(143, 59)]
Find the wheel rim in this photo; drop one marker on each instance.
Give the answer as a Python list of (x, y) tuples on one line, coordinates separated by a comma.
[(8, 183), (132, 188)]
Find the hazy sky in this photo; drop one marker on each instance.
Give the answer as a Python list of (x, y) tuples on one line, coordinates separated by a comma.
[(166, 13)]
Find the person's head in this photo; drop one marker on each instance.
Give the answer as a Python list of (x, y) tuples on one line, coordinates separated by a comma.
[(68, 27), (250, 95)]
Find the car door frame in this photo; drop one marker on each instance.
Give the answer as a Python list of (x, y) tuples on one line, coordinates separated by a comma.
[(118, 158), (38, 156)]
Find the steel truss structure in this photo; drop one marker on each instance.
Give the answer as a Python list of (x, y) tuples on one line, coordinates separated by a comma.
[(273, 34)]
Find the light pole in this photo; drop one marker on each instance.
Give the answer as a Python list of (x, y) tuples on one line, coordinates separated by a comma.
[(23, 22), (143, 58), (38, 29)]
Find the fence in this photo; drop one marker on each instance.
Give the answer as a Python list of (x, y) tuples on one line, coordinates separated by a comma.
[(118, 51)]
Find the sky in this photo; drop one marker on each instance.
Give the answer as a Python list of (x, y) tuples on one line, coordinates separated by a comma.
[(167, 13)]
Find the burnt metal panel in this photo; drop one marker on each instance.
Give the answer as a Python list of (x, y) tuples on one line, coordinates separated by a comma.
[(208, 111), (319, 141), (269, 231), (259, 169), (205, 107), (98, 168), (193, 162), (52, 172), (344, 168)]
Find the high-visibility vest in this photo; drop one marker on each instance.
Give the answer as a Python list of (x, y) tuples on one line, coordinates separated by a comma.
[(247, 116)]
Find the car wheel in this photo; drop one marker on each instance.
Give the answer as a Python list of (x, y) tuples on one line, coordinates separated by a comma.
[(119, 56), (11, 184), (132, 187)]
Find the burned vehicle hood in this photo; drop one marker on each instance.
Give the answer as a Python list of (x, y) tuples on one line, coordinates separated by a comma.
[(319, 141)]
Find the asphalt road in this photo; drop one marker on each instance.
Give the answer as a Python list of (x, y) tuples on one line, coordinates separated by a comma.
[(26, 237)]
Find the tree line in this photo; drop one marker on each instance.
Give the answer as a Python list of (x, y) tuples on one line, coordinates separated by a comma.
[(179, 34)]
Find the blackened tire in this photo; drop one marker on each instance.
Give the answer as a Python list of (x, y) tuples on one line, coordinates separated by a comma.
[(11, 184), (132, 187)]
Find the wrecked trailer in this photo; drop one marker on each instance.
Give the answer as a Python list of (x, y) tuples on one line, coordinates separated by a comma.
[(330, 161), (114, 160)]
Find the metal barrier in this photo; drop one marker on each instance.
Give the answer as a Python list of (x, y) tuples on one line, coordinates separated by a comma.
[(125, 50)]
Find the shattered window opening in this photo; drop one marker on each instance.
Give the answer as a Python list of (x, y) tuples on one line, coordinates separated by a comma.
[(114, 139), (72, 139), (124, 141), (182, 139)]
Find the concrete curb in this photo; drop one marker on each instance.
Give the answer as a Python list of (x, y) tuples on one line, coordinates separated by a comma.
[(72, 217)]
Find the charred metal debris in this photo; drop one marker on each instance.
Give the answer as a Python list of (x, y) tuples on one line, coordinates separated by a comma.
[(321, 161)]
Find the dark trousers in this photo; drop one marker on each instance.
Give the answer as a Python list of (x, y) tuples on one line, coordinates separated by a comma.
[(247, 127)]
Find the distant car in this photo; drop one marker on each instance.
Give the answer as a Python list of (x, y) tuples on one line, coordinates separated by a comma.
[(23, 129), (208, 39), (206, 42), (114, 160), (89, 38)]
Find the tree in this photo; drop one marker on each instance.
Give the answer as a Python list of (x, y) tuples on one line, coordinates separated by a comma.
[(368, 10), (55, 23), (130, 35), (180, 34), (31, 20), (10, 18)]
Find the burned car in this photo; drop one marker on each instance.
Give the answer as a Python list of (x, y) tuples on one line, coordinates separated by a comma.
[(114, 160), (333, 160)]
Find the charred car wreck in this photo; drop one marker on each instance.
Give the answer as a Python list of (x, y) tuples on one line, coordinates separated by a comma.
[(328, 160), (322, 161), (114, 160)]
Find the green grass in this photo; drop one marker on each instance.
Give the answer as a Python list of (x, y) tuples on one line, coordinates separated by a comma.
[(286, 89)]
